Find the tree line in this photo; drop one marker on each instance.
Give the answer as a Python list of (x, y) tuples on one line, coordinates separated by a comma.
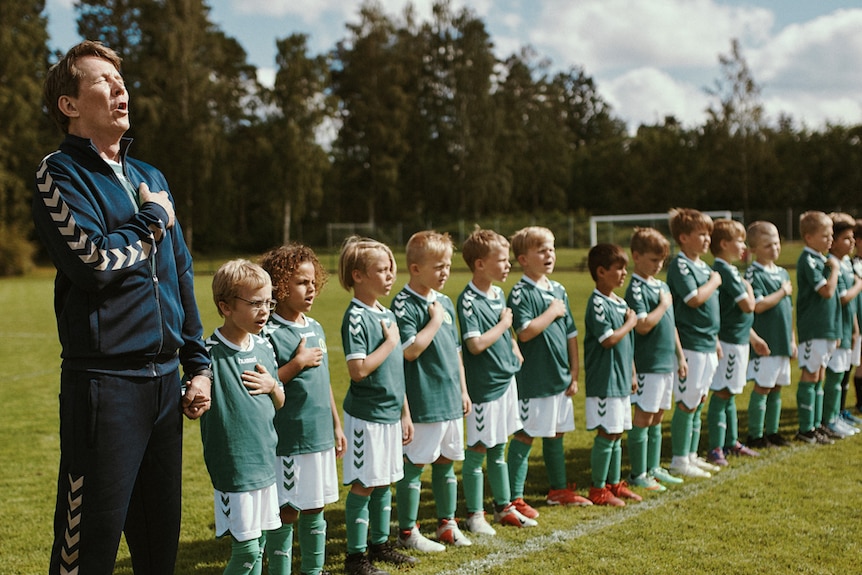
[(405, 121)]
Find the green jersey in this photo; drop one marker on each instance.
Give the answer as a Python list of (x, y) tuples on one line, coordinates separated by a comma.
[(735, 324), (775, 325), (697, 326), (489, 373), (237, 431), (379, 397), (655, 351), (856, 262), (816, 317), (608, 370), (848, 312), (304, 424), (546, 370), (434, 378)]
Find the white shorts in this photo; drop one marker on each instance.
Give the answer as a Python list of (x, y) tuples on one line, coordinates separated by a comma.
[(856, 357), (374, 455), (307, 480), (431, 440), (246, 514), (839, 361), (547, 416), (655, 392), (701, 367), (493, 422), (613, 414), (814, 354), (732, 368), (770, 371)]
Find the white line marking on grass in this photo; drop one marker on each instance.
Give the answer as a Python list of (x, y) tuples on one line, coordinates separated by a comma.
[(505, 552)]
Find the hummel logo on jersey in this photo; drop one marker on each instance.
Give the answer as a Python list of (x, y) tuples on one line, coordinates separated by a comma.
[(812, 263), (599, 310), (516, 294), (683, 269), (398, 305)]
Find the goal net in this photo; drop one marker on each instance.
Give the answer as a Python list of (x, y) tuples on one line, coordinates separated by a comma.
[(617, 229)]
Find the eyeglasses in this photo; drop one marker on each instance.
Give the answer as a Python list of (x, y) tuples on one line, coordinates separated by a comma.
[(259, 304)]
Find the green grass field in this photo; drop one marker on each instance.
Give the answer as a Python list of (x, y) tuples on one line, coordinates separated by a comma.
[(794, 510)]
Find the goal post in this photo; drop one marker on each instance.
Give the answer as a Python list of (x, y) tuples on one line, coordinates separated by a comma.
[(658, 221)]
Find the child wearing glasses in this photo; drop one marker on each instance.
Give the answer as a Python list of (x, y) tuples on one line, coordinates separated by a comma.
[(238, 434), (310, 437), (376, 416)]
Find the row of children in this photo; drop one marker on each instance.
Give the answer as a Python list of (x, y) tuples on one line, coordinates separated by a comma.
[(413, 392)]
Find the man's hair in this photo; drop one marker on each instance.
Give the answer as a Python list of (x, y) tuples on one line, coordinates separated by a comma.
[(235, 275), (725, 230), (758, 230), (530, 237), (480, 243), (605, 256), (841, 222), (813, 221), (64, 77), (649, 241), (428, 243), (686, 221), (282, 262), (357, 254)]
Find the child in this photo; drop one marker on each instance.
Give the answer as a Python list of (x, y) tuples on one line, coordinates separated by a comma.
[(736, 306), (548, 340), (658, 353), (840, 362), (310, 437), (857, 352), (773, 321), (818, 321), (436, 391), (237, 432), (490, 366), (376, 416), (694, 286), (609, 362)]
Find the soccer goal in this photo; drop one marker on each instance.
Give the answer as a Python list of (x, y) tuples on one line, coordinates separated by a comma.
[(617, 229)]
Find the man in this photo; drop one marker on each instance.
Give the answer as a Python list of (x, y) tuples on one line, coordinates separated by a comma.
[(126, 317)]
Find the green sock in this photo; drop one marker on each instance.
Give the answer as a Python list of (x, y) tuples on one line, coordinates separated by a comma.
[(716, 419), (818, 403), (518, 461), (312, 543), (498, 474), (444, 486), (356, 519), (680, 431), (246, 557), (732, 419), (379, 514), (615, 468), (473, 480), (654, 446), (696, 425), (832, 396), (756, 414), (279, 547), (773, 411), (555, 461), (600, 460), (805, 399), (637, 444), (407, 492)]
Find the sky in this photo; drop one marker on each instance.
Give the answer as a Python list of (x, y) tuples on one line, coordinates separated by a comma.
[(649, 58)]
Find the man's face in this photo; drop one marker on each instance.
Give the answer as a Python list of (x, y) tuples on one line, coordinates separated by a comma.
[(101, 109)]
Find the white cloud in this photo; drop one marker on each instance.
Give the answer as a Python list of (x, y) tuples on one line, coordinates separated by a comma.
[(647, 95)]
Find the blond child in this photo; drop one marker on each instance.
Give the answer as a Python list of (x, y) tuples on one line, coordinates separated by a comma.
[(238, 434), (773, 321), (548, 340), (609, 364), (436, 391), (694, 286), (658, 354), (490, 365), (310, 437), (376, 415)]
